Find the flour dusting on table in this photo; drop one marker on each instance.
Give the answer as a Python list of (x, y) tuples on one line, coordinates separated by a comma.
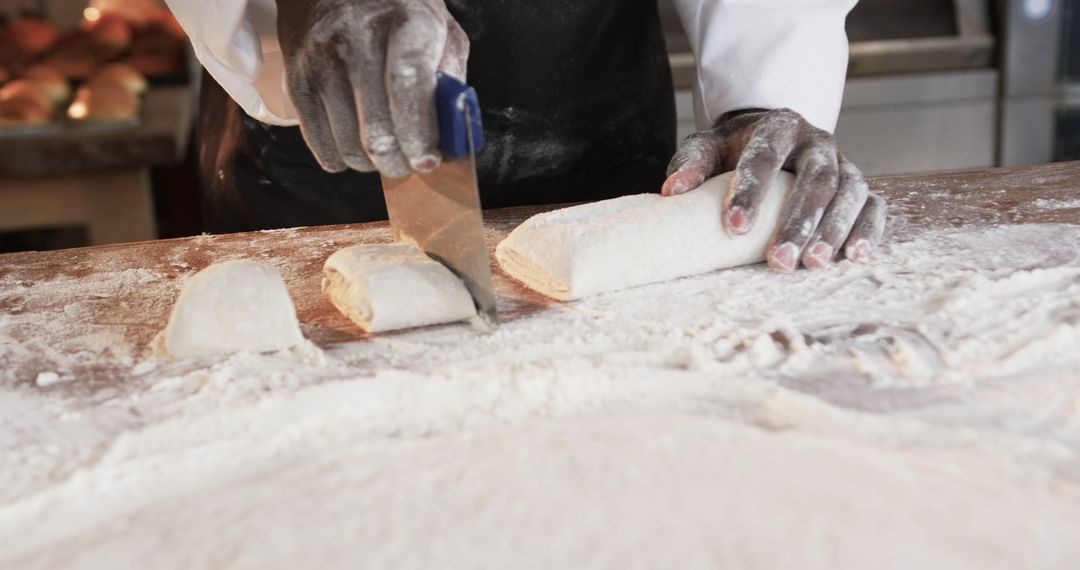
[(919, 411)]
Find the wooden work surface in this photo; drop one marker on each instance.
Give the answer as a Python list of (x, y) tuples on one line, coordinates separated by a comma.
[(92, 312)]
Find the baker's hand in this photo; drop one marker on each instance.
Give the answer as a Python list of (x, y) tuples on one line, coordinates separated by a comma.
[(831, 208), (361, 74)]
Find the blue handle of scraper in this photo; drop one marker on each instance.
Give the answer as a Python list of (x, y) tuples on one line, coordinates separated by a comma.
[(452, 98)]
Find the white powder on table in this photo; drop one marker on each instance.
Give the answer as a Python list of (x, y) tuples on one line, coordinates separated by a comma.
[(920, 411)]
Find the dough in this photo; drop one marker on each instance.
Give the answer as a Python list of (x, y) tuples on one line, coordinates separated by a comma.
[(386, 287), (635, 240), (232, 307)]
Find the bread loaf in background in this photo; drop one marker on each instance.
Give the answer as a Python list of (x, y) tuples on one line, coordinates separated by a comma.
[(120, 74), (103, 102), (54, 83), (24, 102)]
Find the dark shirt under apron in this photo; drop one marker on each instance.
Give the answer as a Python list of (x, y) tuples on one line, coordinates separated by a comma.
[(577, 105)]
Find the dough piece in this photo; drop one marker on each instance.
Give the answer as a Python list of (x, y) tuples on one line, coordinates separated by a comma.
[(232, 307), (635, 240), (386, 287)]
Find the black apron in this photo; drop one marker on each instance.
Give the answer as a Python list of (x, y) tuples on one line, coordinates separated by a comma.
[(577, 105)]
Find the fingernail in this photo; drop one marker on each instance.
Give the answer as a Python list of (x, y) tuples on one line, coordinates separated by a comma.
[(679, 183), (818, 255), (784, 257), (674, 187), (737, 220), (425, 164), (860, 250)]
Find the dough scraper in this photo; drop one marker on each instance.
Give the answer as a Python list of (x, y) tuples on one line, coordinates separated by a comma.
[(439, 211)]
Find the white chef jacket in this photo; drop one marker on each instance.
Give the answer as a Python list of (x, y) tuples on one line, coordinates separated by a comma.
[(750, 53)]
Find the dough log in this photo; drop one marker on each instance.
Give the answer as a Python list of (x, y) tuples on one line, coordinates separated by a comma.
[(635, 240), (387, 287), (231, 307)]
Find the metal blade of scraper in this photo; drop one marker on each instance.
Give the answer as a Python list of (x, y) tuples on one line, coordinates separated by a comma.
[(440, 211)]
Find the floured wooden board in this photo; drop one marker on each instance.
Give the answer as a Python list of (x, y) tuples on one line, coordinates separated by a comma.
[(919, 411), (91, 312)]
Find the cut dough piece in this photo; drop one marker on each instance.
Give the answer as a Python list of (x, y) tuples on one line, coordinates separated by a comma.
[(385, 287), (232, 307), (635, 240)]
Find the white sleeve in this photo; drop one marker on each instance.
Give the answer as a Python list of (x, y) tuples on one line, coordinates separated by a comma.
[(768, 54), (236, 41)]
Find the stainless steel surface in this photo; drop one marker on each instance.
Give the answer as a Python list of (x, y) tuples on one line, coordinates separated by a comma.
[(683, 70), (916, 89), (1030, 56), (685, 124), (887, 37), (929, 54), (1032, 91), (1071, 42), (1027, 126), (890, 36), (920, 122), (440, 213), (1070, 95)]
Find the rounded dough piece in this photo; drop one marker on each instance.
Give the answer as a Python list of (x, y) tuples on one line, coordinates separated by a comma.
[(385, 287), (636, 240), (229, 307)]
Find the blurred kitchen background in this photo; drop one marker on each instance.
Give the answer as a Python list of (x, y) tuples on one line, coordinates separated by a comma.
[(104, 154)]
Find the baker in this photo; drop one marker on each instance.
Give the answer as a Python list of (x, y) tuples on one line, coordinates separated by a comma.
[(577, 106)]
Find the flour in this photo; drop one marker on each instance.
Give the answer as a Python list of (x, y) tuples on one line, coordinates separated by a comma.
[(1055, 204), (23, 306), (919, 411), (45, 379)]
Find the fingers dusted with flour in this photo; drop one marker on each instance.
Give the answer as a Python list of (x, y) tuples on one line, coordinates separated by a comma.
[(830, 209), (839, 217), (772, 138), (816, 178), (361, 74), (697, 160), (868, 230)]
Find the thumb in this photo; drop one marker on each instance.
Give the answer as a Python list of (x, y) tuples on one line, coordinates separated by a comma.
[(455, 57)]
